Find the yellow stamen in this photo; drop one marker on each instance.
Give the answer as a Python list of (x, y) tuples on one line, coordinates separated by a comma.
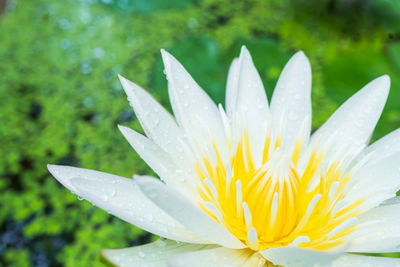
[(277, 204)]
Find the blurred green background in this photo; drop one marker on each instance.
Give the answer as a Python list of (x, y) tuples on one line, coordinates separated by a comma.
[(61, 101)]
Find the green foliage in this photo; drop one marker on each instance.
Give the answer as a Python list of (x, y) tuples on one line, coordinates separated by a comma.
[(61, 99)]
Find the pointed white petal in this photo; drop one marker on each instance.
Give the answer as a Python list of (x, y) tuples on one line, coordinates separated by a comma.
[(123, 198), (188, 214), (375, 182), (194, 110), (150, 152), (218, 257), (291, 101), (300, 257), (155, 254), (160, 162), (352, 124), (384, 147), (349, 260), (378, 230), (252, 112), (157, 123), (232, 88)]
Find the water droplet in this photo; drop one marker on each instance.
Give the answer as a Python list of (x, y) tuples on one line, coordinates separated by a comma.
[(113, 192), (141, 254), (80, 198)]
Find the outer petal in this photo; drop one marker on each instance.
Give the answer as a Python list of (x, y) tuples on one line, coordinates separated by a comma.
[(349, 260), (352, 124), (378, 230), (375, 182), (384, 147), (157, 123), (300, 257), (232, 88), (160, 162), (218, 257), (291, 102), (123, 198), (251, 111), (155, 254), (186, 213), (194, 110)]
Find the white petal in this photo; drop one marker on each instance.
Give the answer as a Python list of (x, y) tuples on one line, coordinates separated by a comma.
[(252, 112), (378, 230), (187, 213), (352, 124), (160, 162), (218, 257), (291, 101), (232, 88), (349, 260), (375, 182), (157, 123), (300, 257), (155, 254), (194, 110), (384, 147), (123, 198)]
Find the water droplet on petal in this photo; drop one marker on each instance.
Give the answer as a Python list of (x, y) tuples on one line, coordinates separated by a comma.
[(113, 192)]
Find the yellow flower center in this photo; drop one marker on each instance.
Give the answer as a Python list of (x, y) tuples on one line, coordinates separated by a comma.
[(275, 205)]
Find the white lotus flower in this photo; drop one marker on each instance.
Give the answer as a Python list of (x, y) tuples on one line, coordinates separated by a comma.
[(248, 186)]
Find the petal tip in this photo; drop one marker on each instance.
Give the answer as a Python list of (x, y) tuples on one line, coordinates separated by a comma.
[(244, 52), (381, 83), (167, 59), (301, 57), (165, 56), (300, 53), (53, 169), (122, 128), (385, 79), (124, 81), (62, 174), (127, 85)]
